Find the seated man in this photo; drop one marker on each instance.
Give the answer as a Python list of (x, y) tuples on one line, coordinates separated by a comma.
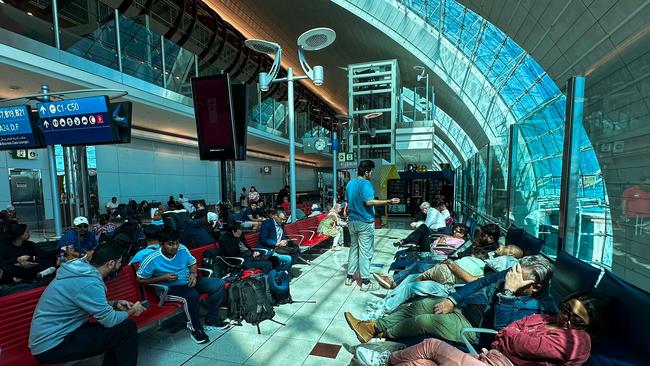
[(173, 266), (272, 236), (491, 302), (22, 259), (434, 221), (261, 211), (77, 242), (440, 279), (232, 245), (111, 206), (250, 219), (60, 330)]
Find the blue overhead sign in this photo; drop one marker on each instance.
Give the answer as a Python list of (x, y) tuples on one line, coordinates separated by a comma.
[(76, 121), (16, 129)]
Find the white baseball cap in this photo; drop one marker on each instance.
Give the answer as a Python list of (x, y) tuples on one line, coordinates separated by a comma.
[(79, 220), (212, 217)]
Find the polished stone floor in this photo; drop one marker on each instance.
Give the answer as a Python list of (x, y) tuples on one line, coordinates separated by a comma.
[(307, 324)]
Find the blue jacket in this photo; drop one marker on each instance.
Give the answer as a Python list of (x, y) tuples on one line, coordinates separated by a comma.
[(501, 310), (268, 237)]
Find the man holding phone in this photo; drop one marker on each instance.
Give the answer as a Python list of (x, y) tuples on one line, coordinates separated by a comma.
[(273, 237), (60, 331)]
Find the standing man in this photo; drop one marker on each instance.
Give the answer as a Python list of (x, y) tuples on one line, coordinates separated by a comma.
[(361, 221)]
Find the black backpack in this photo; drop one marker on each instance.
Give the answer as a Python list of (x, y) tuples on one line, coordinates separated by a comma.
[(250, 300)]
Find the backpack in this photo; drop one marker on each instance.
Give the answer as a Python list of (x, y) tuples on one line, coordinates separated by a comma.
[(250, 300), (218, 266), (279, 287), (127, 237)]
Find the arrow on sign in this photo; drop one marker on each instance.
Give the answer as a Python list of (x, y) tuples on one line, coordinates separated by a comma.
[(46, 124), (43, 110)]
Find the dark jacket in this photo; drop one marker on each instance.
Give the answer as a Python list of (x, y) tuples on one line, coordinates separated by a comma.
[(498, 310), (9, 253), (230, 246), (195, 234), (268, 237)]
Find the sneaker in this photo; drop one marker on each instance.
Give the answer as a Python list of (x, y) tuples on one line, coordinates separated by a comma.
[(369, 286), (211, 325), (46, 272), (368, 357), (398, 243), (349, 281), (303, 260), (336, 248), (384, 281), (199, 337)]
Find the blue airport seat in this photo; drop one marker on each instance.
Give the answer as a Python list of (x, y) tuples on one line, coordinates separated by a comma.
[(571, 275), (627, 342)]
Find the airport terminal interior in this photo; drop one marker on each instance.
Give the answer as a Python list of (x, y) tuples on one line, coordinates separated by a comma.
[(324, 182)]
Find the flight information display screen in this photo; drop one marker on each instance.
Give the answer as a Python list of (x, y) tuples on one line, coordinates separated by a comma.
[(16, 129), (83, 121)]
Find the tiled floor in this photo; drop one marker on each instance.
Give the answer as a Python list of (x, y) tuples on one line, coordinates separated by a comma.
[(307, 323)]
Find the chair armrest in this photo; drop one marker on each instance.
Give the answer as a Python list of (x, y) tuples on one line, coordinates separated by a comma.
[(291, 236), (237, 259), (206, 270), (463, 335), (162, 291), (308, 231), (262, 250)]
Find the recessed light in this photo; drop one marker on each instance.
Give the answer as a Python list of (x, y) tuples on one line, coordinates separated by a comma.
[(30, 14)]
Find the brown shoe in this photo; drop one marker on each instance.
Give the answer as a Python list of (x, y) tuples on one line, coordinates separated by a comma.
[(365, 330), (384, 281)]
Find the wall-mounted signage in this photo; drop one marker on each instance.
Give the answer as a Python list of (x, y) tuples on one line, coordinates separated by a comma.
[(16, 129)]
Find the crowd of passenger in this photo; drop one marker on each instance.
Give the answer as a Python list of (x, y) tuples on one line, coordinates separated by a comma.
[(448, 282), (157, 241), (445, 281)]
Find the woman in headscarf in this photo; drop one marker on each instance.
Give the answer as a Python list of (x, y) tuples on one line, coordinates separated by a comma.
[(330, 226)]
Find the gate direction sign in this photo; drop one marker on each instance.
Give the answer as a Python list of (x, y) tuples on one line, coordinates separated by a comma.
[(16, 128), (76, 121)]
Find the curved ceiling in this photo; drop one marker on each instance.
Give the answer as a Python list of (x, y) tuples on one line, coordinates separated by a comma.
[(568, 38), (358, 41)]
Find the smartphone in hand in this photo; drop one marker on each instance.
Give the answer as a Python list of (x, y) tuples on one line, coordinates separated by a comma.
[(145, 304)]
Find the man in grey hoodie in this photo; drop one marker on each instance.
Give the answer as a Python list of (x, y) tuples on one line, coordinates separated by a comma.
[(60, 331)]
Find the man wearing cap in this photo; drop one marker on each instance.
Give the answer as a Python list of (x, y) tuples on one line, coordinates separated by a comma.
[(78, 241), (315, 210)]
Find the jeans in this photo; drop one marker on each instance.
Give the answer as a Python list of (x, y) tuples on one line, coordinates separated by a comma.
[(119, 345), (417, 267), (215, 287), (420, 236), (417, 318), (285, 261), (362, 248), (409, 289), (402, 263)]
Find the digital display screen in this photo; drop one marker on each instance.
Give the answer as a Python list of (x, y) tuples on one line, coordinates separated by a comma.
[(214, 117), (83, 121), (16, 129)]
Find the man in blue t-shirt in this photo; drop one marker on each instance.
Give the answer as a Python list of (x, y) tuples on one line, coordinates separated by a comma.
[(360, 197), (75, 243), (174, 266)]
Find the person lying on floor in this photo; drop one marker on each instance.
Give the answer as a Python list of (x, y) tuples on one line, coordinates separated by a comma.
[(491, 302), (564, 339), (408, 256), (486, 241), (440, 279)]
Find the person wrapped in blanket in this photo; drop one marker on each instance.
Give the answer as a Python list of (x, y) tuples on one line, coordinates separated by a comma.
[(332, 226), (537, 339), (440, 279)]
